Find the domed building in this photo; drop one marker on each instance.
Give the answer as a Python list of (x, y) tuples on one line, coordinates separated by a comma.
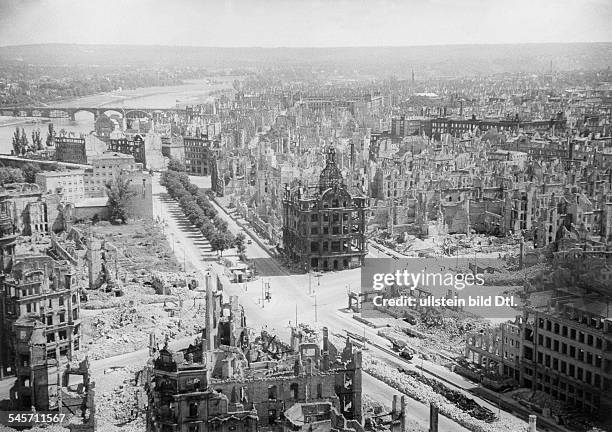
[(324, 225)]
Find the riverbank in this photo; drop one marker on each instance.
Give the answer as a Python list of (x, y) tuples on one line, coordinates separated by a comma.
[(193, 92), (6, 121), (190, 93)]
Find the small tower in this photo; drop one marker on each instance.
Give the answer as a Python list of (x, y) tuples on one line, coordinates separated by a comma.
[(94, 259), (331, 175)]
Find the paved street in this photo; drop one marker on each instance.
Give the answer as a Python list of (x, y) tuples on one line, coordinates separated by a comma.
[(290, 292), (323, 303)]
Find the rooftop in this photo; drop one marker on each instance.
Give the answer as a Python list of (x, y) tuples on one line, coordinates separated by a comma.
[(60, 173), (92, 202)]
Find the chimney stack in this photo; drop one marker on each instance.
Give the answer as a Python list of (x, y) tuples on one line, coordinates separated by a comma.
[(433, 417), (209, 315), (395, 408), (325, 362), (325, 339), (152, 344), (404, 414), (532, 423)]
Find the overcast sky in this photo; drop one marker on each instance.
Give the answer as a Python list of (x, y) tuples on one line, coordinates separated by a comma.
[(273, 23)]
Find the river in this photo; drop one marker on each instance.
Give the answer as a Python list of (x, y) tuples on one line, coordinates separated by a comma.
[(191, 93)]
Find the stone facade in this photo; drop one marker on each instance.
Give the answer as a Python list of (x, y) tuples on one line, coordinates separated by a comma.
[(199, 155), (229, 380), (40, 305), (324, 227), (70, 184)]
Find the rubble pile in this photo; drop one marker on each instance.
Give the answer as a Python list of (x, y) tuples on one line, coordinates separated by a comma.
[(125, 328), (163, 283), (448, 336), (133, 292), (311, 333), (143, 287), (440, 342), (466, 404), (120, 403), (423, 392), (142, 246), (373, 407), (373, 410), (540, 399), (449, 245)]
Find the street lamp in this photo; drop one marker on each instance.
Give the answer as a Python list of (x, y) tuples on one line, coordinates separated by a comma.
[(309, 282), (262, 293), (184, 259)]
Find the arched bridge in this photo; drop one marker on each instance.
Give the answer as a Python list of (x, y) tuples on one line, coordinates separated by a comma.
[(58, 112)]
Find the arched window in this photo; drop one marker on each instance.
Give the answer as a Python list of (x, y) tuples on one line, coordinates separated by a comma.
[(193, 409), (272, 392)]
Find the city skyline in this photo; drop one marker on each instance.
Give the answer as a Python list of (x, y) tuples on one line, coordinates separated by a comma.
[(306, 215), (300, 23)]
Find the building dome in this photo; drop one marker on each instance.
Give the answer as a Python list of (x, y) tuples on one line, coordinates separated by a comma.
[(331, 175)]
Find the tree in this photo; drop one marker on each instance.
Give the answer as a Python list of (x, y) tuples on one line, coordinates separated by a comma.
[(229, 239), (176, 165), (10, 175), (37, 140), (221, 241), (219, 223), (24, 143), (239, 243), (192, 189), (29, 172), (50, 135), (208, 229), (16, 142), (119, 194), (217, 243)]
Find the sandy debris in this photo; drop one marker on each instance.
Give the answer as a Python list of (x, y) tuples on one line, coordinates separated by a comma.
[(424, 393), (126, 327), (120, 403)]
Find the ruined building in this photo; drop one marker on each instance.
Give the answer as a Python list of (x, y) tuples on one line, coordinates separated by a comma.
[(102, 265), (324, 226), (562, 344), (8, 241), (39, 313), (40, 328), (40, 306), (30, 209), (230, 381)]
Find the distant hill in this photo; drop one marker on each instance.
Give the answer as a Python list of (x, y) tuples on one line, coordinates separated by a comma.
[(447, 59)]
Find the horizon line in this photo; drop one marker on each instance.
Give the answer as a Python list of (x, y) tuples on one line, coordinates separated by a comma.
[(308, 47)]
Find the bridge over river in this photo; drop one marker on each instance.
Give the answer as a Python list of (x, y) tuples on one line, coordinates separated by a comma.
[(58, 112)]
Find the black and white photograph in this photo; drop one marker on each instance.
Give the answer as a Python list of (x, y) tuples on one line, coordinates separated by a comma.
[(306, 215)]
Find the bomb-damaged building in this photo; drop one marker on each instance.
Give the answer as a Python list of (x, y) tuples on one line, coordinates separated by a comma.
[(324, 226), (231, 381)]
